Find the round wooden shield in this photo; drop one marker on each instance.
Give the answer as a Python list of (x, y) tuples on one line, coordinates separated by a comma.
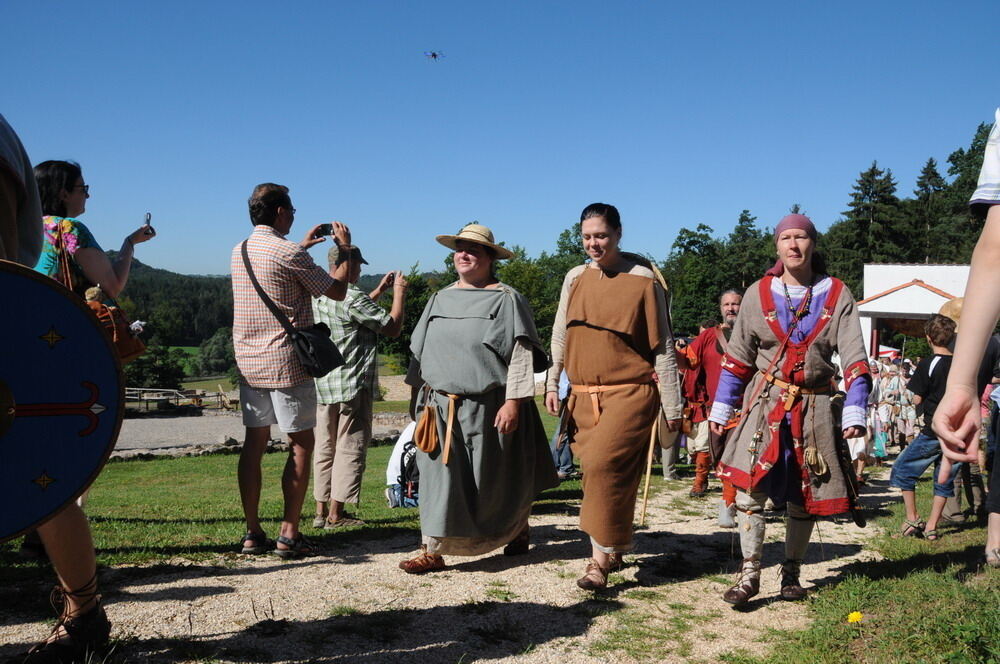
[(62, 398)]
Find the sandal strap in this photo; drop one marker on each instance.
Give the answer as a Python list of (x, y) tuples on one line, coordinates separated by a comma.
[(425, 561)]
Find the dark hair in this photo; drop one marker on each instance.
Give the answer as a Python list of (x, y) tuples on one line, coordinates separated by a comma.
[(940, 330), (708, 324), (608, 212), (265, 201), (731, 291), (55, 177)]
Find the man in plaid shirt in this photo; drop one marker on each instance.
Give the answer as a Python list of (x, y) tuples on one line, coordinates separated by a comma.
[(275, 388), (344, 414)]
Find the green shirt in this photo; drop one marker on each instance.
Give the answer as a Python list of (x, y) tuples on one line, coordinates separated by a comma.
[(354, 325)]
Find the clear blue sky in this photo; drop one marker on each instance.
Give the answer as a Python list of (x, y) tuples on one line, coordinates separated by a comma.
[(678, 113)]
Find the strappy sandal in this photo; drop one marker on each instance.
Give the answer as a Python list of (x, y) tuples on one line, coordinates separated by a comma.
[(423, 563), (595, 577), (931, 535), (913, 529), (86, 634), (343, 522), (616, 562), (255, 543), (297, 547)]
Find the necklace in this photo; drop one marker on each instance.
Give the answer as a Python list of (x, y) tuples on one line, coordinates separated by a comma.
[(803, 310)]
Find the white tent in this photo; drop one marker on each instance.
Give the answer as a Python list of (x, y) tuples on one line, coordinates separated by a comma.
[(903, 296)]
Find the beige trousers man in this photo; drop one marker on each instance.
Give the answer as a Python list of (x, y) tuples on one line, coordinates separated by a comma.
[(342, 434)]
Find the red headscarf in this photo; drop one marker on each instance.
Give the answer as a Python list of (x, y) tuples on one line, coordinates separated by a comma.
[(797, 222)]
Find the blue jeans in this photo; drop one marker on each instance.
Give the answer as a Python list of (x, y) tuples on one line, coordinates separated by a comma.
[(563, 457), (915, 459)]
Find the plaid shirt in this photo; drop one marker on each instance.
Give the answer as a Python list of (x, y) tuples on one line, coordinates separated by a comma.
[(354, 326), (288, 275)]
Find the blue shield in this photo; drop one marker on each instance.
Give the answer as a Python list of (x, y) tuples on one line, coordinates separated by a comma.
[(61, 398)]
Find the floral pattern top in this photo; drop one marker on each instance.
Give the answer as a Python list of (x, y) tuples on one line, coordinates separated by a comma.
[(75, 236)]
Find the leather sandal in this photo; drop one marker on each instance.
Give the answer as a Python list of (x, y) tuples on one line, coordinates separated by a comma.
[(747, 583), (931, 535), (76, 637), (913, 528), (422, 563), (595, 578), (298, 547), (255, 543), (616, 562), (519, 545)]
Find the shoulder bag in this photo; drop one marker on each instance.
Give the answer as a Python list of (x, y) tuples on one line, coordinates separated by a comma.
[(313, 346)]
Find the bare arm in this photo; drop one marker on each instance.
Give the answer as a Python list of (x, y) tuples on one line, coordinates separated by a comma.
[(957, 417), (112, 277), (397, 311)]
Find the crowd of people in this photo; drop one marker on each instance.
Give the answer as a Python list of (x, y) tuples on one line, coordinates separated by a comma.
[(779, 399)]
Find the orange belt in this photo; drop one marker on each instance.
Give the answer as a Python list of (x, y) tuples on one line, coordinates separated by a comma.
[(793, 391), (595, 390)]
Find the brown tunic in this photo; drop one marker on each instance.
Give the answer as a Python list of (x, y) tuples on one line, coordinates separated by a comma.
[(614, 326)]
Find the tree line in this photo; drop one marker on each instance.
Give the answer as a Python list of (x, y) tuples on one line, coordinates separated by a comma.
[(879, 225)]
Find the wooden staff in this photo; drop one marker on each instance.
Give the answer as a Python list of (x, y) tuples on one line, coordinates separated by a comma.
[(649, 465)]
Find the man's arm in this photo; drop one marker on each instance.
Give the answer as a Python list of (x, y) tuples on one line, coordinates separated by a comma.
[(398, 310)]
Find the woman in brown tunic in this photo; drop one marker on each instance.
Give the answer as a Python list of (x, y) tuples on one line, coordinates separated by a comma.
[(612, 335)]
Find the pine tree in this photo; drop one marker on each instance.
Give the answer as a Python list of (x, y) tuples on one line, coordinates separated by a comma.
[(874, 214), (925, 213)]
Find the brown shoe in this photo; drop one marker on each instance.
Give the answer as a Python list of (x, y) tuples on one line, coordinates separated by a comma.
[(425, 562), (791, 590), (595, 578), (518, 545), (747, 583)]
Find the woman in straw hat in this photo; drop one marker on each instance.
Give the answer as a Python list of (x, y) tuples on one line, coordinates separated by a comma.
[(484, 455), (790, 443), (612, 335)]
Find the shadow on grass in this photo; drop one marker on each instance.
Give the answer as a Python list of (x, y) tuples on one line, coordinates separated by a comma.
[(482, 630)]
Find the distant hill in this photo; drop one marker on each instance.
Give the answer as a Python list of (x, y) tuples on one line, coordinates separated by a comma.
[(185, 309)]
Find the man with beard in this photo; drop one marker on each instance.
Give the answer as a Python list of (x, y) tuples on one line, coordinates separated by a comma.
[(703, 359)]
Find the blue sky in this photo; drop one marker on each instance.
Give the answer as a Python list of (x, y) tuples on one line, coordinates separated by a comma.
[(678, 114)]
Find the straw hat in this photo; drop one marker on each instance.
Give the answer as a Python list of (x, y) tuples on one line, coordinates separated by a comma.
[(952, 309), (478, 234)]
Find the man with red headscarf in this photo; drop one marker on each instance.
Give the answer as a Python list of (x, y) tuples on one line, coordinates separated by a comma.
[(789, 444)]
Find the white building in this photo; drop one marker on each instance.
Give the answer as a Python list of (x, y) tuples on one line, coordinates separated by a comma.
[(903, 296)]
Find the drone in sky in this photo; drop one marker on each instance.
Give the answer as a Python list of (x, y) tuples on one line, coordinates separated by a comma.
[(433, 55)]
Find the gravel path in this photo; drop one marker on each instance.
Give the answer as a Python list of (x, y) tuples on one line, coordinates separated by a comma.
[(210, 428), (352, 604)]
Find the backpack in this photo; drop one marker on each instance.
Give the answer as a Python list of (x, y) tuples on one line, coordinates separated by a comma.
[(404, 493)]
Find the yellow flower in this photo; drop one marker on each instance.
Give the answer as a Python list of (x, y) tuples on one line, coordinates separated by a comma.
[(854, 617)]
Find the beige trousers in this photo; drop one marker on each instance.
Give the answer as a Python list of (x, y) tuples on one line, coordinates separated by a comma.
[(343, 431)]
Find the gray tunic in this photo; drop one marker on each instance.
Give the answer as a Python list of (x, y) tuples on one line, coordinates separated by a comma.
[(463, 344)]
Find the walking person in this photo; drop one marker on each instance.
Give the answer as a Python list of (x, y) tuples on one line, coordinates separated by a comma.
[(612, 335), (482, 454), (346, 394), (274, 386), (703, 364), (789, 445)]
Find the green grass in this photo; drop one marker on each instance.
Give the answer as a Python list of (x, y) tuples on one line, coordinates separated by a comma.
[(189, 507), (927, 602)]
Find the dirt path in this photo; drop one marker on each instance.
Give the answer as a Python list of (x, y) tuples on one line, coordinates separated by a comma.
[(353, 605)]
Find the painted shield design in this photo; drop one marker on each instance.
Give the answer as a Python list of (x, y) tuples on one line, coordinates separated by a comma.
[(62, 398)]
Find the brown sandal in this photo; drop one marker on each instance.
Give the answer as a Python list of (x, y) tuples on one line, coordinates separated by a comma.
[(425, 562), (595, 578)]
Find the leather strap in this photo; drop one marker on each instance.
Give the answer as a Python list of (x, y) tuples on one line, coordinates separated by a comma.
[(285, 323), (446, 451), (595, 390)]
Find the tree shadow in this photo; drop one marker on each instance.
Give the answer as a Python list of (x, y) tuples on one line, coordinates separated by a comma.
[(485, 630)]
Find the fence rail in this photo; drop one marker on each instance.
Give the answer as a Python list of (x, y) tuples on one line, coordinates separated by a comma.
[(157, 398)]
